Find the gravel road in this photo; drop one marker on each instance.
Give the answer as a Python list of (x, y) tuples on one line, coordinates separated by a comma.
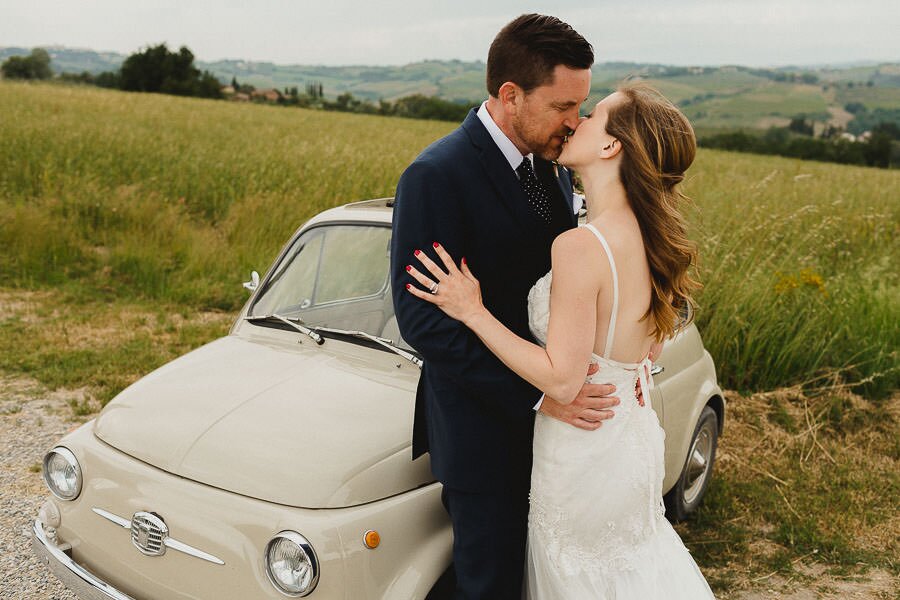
[(29, 425)]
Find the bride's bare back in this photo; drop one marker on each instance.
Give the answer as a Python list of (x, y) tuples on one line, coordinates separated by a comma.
[(631, 340)]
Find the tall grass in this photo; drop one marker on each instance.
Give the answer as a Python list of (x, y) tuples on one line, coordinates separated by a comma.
[(169, 200), (801, 266), (149, 196)]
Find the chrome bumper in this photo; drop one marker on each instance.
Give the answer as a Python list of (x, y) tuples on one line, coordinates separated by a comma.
[(82, 582)]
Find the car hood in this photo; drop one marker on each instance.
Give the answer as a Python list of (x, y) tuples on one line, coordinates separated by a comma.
[(300, 425)]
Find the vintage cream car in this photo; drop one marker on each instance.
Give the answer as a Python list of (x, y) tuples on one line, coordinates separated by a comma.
[(275, 461)]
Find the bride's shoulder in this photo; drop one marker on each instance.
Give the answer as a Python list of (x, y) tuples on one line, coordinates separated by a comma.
[(573, 257), (572, 243)]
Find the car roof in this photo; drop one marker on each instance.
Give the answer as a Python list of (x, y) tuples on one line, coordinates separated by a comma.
[(378, 210)]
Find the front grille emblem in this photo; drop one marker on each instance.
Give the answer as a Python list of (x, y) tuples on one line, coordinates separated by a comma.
[(148, 532), (150, 535)]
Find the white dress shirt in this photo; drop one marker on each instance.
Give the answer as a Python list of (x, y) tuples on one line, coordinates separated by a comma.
[(515, 158)]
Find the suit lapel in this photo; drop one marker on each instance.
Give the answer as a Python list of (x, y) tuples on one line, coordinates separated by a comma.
[(502, 177)]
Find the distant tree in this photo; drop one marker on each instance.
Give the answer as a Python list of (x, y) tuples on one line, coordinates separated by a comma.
[(739, 141), (418, 106), (315, 91), (156, 69), (890, 129), (234, 83), (34, 66), (855, 107), (831, 132), (869, 120), (208, 86), (800, 125), (877, 151), (809, 78), (107, 79), (83, 77), (345, 103), (774, 138), (385, 107)]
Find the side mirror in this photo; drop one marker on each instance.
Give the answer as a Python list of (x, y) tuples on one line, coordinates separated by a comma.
[(253, 283)]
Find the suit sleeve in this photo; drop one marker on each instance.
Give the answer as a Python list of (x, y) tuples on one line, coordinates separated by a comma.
[(427, 210)]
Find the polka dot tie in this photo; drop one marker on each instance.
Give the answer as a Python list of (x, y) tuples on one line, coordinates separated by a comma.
[(537, 195)]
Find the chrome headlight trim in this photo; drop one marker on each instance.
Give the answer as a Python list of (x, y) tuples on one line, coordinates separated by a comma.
[(305, 547), (69, 457)]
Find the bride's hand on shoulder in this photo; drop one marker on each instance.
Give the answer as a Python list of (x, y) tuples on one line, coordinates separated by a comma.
[(454, 290)]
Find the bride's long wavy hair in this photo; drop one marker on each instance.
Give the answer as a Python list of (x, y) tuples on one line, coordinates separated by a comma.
[(658, 146)]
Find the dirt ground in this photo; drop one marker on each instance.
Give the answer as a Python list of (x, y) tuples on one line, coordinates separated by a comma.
[(875, 585)]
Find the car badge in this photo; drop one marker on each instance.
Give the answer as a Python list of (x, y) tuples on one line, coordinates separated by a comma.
[(148, 532)]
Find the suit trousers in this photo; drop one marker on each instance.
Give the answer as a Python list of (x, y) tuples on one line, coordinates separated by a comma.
[(489, 541)]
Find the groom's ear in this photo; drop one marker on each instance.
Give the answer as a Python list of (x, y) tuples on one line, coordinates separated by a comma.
[(510, 96)]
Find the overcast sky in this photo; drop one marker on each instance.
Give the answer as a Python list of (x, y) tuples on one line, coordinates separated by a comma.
[(382, 32)]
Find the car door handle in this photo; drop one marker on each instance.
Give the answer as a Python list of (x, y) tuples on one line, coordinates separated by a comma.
[(657, 369)]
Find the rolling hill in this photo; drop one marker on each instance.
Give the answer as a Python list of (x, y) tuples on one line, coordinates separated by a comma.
[(723, 97)]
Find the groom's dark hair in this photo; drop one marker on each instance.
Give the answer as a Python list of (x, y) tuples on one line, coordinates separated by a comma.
[(530, 47)]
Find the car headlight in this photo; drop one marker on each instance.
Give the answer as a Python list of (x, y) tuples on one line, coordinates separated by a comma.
[(291, 564), (62, 473)]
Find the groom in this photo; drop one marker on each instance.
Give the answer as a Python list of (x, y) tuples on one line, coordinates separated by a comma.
[(488, 192)]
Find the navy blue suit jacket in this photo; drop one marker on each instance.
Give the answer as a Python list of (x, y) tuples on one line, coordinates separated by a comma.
[(473, 414)]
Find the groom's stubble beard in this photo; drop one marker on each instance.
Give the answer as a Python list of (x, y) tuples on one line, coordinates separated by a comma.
[(547, 146)]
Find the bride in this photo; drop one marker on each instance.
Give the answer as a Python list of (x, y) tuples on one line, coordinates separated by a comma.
[(596, 527)]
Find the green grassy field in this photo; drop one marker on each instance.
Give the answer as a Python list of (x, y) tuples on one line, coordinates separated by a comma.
[(128, 221), (871, 97), (161, 199)]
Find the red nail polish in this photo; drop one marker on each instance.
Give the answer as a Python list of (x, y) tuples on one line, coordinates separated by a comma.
[(464, 260), (408, 286), (417, 252), (409, 267), (435, 244)]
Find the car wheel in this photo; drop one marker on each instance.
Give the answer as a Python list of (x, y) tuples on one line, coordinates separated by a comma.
[(688, 492)]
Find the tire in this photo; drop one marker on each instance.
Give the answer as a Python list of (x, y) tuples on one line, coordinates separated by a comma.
[(688, 492)]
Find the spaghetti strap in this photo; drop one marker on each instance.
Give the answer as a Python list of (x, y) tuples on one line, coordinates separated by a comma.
[(615, 307)]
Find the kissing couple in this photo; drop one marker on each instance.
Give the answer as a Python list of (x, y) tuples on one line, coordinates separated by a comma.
[(553, 485)]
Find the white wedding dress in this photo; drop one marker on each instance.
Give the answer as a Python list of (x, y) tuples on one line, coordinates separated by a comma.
[(596, 528)]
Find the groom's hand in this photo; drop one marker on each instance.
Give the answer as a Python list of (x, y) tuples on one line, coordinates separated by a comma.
[(589, 408)]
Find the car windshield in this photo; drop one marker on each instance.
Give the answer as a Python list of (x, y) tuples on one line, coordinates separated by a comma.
[(335, 276)]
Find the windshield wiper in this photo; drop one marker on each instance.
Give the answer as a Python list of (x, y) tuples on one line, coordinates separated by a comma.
[(298, 325), (389, 344)]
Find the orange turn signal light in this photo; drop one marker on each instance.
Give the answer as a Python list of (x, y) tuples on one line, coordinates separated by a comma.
[(372, 539)]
